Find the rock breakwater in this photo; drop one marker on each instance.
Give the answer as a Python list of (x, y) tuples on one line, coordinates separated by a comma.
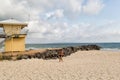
[(49, 53)]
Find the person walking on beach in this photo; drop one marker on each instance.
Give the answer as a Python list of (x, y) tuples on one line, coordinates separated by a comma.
[(60, 55)]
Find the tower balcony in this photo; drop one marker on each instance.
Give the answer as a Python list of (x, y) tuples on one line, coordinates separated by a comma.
[(23, 32)]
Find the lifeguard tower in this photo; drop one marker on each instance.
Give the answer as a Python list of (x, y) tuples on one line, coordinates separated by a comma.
[(14, 39)]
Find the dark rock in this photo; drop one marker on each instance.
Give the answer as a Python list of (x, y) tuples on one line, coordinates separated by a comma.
[(7, 57), (38, 55), (19, 57), (25, 56), (53, 54)]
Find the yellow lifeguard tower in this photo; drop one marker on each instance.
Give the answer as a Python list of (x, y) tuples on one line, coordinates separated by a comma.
[(14, 39)]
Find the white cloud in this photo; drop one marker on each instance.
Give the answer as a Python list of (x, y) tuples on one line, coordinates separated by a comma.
[(93, 6), (21, 9), (55, 14), (10, 9), (75, 5), (43, 30)]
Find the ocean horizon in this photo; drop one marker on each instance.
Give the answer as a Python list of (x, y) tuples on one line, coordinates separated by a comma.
[(104, 46)]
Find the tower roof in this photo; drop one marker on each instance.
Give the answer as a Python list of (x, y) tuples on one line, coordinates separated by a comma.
[(12, 22)]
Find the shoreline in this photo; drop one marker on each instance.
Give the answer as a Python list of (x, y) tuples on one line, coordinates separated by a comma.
[(109, 49), (43, 49), (102, 49)]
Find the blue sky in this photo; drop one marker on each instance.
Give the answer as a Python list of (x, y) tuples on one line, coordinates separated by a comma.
[(54, 21)]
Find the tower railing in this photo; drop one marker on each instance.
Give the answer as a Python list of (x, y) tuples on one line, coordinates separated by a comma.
[(3, 35)]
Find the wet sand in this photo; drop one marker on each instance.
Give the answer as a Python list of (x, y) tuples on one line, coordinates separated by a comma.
[(82, 65)]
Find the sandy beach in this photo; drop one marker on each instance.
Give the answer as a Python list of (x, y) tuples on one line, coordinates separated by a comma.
[(82, 65)]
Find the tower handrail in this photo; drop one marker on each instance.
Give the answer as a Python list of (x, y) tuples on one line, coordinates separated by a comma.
[(25, 31)]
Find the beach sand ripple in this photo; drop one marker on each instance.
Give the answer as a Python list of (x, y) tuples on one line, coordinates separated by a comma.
[(83, 65)]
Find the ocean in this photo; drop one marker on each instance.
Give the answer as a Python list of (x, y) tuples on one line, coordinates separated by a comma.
[(105, 46)]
